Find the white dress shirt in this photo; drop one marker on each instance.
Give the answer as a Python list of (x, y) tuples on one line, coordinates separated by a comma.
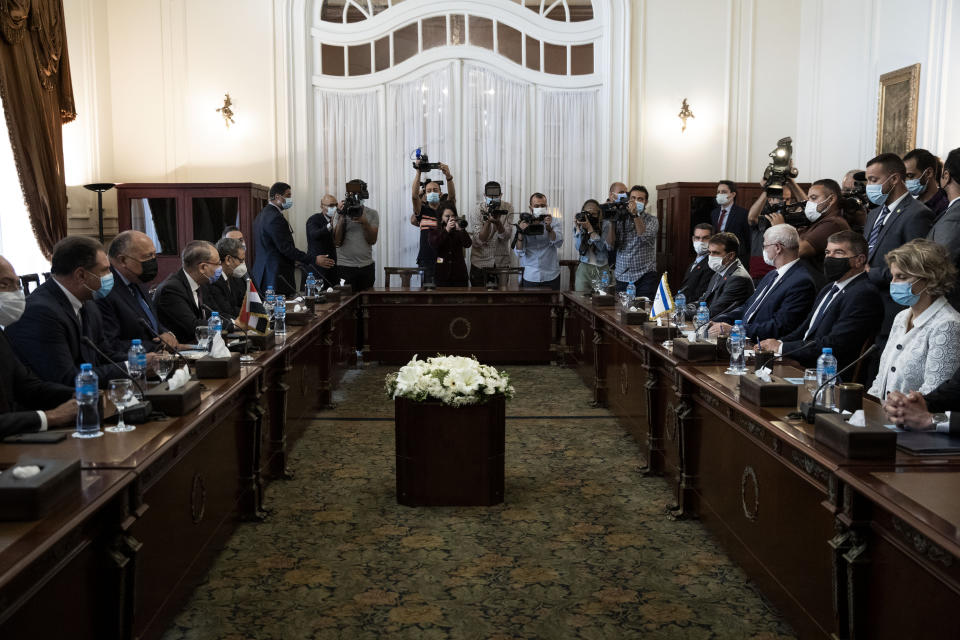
[(194, 287)]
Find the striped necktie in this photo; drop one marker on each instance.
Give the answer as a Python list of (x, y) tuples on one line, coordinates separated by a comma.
[(877, 226)]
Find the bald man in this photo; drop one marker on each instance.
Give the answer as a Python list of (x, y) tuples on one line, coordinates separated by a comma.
[(128, 310), (321, 245)]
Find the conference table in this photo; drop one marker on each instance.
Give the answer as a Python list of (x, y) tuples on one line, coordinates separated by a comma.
[(843, 548)]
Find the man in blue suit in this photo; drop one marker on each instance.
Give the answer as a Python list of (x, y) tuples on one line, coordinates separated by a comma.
[(784, 296), (847, 312), (730, 217), (277, 255)]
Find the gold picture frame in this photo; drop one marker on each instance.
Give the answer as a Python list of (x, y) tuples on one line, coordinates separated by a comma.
[(897, 110)]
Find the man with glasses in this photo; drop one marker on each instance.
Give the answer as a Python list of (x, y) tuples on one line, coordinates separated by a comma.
[(226, 292), (180, 299)]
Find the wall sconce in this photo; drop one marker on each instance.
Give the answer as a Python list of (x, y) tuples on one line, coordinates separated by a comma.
[(684, 114), (227, 112)]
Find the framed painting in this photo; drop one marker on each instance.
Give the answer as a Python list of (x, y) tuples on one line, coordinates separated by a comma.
[(897, 112)]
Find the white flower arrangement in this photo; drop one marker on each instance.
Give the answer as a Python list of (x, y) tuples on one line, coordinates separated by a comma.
[(452, 380)]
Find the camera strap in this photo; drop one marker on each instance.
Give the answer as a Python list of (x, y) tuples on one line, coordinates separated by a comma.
[(513, 245)]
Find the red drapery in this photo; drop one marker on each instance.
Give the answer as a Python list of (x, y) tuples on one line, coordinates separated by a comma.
[(38, 100)]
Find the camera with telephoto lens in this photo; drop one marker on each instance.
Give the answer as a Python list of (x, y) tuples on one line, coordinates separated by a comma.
[(493, 209), (779, 171), (855, 199), (793, 215), (616, 210), (535, 224), (353, 201), (584, 216), (423, 164)]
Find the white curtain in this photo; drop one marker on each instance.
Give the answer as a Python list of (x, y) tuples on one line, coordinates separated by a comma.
[(567, 166), (419, 113)]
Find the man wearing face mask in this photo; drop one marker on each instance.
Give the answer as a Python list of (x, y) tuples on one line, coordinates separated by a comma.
[(133, 262), (321, 243), (698, 274), (226, 293), (538, 253), (730, 217), (847, 311), (426, 217), (730, 284), (636, 245), (923, 180), (823, 211), (784, 296), (26, 402), (276, 253), (490, 235), (946, 230), (60, 313), (181, 297)]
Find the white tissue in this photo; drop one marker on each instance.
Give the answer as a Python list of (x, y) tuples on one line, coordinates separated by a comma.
[(659, 322), (297, 308), (28, 471), (179, 378), (219, 349), (633, 309), (857, 419), (764, 373), (342, 282), (329, 289), (691, 336)]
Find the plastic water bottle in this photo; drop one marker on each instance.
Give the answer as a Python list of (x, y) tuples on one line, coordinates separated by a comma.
[(215, 325), (826, 369), (735, 346), (280, 316), (137, 364), (88, 397), (702, 320), (269, 298), (631, 294), (311, 285), (679, 304)]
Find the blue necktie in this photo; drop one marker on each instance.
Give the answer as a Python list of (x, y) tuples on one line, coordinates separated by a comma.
[(143, 305), (877, 226)]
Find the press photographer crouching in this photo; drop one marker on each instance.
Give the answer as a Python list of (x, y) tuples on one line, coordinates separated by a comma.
[(448, 241), (536, 244), (425, 198), (593, 239), (635, 242), (355, 233), (490, 233)]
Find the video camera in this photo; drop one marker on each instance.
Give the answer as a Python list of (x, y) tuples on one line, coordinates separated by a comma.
[(353, 202), (793, 215), (422, 164), (493, 209), (616, 210), (535, 224), (856, 198), (779, 171)]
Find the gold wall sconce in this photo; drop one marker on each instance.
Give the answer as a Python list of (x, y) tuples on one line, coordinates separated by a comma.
[(227, 112), (684, 114)]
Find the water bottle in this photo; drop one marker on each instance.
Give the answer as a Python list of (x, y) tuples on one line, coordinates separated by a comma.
[(735, 346), (269, 298), (631, 294), (88, 397), (215, 325), (605, 280), (826, 369), (137, 364), (679, 304), (702, 320), (280, 316), (311, 285)]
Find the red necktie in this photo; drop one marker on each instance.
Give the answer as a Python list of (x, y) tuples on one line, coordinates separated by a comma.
[(723, 216)]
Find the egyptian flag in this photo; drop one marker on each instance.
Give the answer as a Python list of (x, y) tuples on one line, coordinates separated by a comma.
[(253, 316), (662, 301)]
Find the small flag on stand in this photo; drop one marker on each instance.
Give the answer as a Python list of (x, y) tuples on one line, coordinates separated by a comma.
[(662, 304), (253, 316)]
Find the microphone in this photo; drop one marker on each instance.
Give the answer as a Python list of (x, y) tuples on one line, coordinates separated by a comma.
[(286, 282), (790, 353), (163, 344), (139, 412), (811, 413), (305, 271), (222, 314)]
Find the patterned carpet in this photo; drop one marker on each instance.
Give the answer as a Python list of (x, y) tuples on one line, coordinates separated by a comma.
[(580, 549)]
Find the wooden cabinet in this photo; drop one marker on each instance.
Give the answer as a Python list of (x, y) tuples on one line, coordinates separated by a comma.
[(174, 214)]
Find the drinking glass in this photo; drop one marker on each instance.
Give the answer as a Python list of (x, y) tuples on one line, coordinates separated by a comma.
[(120, 392), (203, 337), (810, 381), (163, 366)]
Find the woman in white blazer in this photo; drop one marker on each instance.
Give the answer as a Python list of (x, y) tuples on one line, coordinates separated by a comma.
[(923, 349)]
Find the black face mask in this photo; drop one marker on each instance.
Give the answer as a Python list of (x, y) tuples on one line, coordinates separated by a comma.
[(833, 268), (149, 270)]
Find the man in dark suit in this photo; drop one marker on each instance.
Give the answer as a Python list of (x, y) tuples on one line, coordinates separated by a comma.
[(133, 261), (847, 312), (731, 283), (784, 296), (26, 402), (320, 241), (698, 274), (276, 253), (918, 412), (728, 216), (179, 299), (226, 293), (60, 313), (946, 230)]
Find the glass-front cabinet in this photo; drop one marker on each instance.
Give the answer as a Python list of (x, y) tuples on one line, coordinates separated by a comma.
[(174, 214)]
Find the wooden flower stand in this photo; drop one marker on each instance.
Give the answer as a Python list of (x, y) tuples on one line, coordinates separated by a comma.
[(449, 456)]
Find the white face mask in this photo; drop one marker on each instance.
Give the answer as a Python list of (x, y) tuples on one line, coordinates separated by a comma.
[(240, 271), (539, 211), (723, 198), (715, 263), (12, 304), (810, 210), (332, 211), (700, 247)]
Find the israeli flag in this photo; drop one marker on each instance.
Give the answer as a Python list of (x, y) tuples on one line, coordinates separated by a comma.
[(662, 300)]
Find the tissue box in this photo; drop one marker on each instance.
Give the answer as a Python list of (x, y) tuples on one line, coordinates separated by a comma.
[(633, 317), (603, 300), (332, 296), (208, 367), (177, 402), (344, 289), (776, 393), (694, 351), (298, 318), (33, 498), (872, 442), (659, 334), (262, 342)]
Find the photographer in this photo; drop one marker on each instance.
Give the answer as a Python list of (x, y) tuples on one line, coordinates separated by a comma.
[(923, 180), (491, 236), (537, 241), (448, 241), (592, 245), (426, 215), (759, 220), (823, 211), (354, 236), (636, 244)]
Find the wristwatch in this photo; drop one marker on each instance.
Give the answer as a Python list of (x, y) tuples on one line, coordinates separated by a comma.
[(936, 419)]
